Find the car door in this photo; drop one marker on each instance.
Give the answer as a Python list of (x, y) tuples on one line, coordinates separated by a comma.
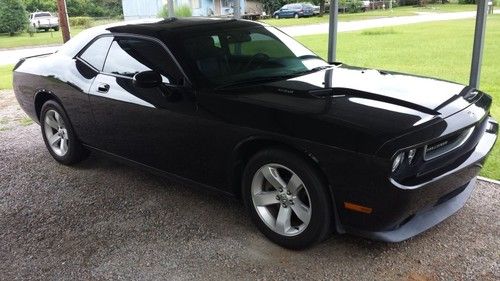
[(153, 126), (285, 11)]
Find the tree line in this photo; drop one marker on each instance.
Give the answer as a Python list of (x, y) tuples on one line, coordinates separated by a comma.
[(78, 8)]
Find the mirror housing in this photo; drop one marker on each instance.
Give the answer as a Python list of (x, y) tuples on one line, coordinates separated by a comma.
[(147, 79)]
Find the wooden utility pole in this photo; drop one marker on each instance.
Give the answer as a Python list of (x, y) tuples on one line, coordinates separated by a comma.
[(63, 19)]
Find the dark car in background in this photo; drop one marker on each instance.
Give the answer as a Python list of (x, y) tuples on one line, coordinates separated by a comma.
[(310, 147), (294, 11)]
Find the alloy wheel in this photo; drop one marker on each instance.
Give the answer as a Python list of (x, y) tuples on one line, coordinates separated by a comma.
[(56, 132), (281, 199)]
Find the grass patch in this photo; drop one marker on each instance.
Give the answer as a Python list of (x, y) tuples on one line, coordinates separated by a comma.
[(6, 76), (438, 49), (25, 121), (38, 39), (379, 31), (396, 12)]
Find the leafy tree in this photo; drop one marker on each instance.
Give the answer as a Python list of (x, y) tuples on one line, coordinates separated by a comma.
[(40, 5), (78, 8), (13, 16)]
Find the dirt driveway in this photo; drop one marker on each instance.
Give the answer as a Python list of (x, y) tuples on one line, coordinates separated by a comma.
[(101, 220)]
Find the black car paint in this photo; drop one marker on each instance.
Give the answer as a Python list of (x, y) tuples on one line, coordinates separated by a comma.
[(348, 121)]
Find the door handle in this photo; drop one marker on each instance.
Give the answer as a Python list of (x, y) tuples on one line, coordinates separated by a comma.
[(103, 88)]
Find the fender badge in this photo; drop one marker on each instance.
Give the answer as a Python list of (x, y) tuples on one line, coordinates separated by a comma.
[(286, 91)]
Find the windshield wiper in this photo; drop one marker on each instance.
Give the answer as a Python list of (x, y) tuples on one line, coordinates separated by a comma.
[(262, 79)]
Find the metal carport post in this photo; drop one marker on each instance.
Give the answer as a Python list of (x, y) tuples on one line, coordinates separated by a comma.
[(477, 51)]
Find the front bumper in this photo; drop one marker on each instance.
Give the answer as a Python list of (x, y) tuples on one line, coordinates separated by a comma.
[(421, 221), (46, 25), (400, 212)]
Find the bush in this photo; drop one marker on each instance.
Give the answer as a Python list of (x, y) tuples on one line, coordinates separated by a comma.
[(40, 5), (80, 21), (354, 6), (181, 11), (13, 17), (94, 8), (163, 13)]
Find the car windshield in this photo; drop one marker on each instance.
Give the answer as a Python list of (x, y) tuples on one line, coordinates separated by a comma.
[(230, 57)]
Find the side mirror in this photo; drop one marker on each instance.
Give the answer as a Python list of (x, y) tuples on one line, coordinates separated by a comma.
[(147, 79)]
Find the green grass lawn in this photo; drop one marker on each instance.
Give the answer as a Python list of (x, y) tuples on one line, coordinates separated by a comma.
[(6, 77), (396, 12), (440, 49), (39, 38)]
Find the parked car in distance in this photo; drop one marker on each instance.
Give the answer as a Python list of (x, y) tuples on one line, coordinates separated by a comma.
[(310, 147), (365, 5), (294, 11), (44, 20), (316, 9)]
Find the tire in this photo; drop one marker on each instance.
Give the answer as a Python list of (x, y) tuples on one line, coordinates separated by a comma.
[(277, 16), (46, 29), (296, 16), (56, 129), (265, 203), (56, 28)]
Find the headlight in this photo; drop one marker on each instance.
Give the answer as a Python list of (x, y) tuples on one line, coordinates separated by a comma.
[(397, 162), (411, 155)]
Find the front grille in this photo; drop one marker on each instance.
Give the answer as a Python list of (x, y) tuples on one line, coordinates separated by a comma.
[(446, 145)]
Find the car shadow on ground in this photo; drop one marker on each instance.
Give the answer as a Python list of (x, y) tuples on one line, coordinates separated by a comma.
[(210, 199)]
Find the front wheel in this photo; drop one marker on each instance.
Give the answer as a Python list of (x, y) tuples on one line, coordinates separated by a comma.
[(277, 16), (296, 16), (287, 199), (56, 28), (59, 136)]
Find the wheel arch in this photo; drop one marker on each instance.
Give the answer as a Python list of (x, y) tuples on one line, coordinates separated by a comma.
[(41, 97), (244, 150)]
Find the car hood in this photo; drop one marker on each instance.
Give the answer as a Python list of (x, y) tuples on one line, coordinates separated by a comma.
[(367, 101), (429, 95)]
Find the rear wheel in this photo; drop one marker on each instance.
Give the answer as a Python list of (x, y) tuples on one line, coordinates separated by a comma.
[(59, 136), (287, 199)]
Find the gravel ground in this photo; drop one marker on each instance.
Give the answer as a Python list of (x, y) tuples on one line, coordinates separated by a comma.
[(102, 220)]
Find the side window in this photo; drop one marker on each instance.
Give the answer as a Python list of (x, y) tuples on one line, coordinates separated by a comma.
[(95, 54), (129, 56)]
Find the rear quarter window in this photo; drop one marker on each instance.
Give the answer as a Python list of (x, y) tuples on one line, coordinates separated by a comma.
[(129, 56), (95, 54)]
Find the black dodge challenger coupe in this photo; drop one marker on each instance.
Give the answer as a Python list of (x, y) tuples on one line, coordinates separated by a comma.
[(310, 147)]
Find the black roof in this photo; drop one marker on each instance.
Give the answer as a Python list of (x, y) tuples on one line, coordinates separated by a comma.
[(167, 28), (175, 25)]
